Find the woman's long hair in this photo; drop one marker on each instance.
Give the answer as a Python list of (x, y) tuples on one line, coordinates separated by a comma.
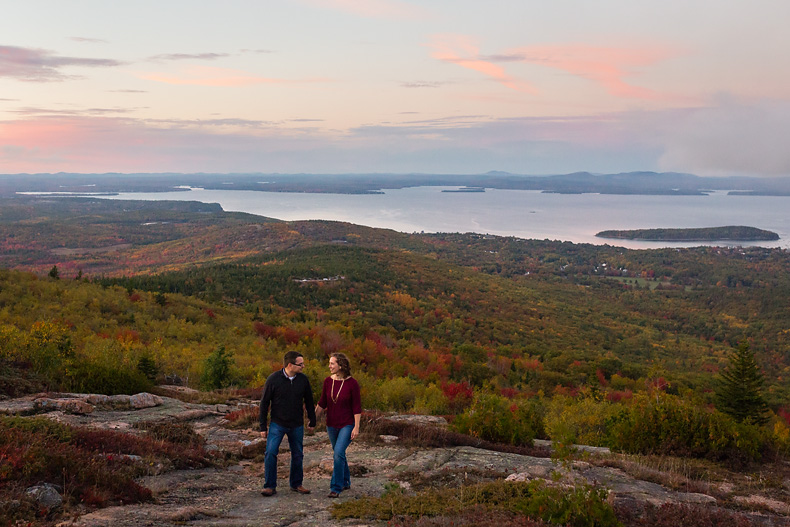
[(342, 361)]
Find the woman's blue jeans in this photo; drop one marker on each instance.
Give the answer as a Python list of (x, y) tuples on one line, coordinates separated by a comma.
[(340, 439), (273, 440)]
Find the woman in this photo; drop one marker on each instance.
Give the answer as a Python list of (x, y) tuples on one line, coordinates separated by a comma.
[(341, 399)]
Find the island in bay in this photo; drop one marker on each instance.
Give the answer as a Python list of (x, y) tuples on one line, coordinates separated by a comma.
[(729, 233), (466, 189)]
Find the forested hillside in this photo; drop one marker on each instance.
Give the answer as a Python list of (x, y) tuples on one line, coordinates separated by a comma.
[(429, 321), (551, 315)]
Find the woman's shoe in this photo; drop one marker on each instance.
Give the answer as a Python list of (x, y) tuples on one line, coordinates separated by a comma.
[(334, 494)]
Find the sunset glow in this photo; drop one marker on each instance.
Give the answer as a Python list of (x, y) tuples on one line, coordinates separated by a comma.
[(395, 86)]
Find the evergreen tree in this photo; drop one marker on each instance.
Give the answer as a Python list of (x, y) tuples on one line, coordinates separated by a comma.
[(161, 299), (216, 373), (739, 392), (148, 367), (53, 273)]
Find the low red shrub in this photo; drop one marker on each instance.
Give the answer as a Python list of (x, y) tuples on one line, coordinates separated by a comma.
[(32, 455), (244, 417), (680, 515)]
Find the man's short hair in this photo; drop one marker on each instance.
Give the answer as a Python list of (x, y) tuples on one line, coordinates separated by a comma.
[(290, 357)]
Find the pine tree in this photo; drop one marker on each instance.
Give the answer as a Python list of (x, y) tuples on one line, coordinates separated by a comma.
[(739, 392), (217, 366), (148, 367)]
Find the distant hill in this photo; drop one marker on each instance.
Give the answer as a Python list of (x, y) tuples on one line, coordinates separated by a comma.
[(729, 233), (661, 183)]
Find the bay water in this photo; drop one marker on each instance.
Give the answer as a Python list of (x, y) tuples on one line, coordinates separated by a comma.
[(520, 213)]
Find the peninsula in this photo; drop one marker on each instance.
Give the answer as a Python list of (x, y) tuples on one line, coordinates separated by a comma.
[(729, 233)]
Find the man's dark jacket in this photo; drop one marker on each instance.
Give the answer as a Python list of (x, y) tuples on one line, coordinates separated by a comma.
[(287, 398)]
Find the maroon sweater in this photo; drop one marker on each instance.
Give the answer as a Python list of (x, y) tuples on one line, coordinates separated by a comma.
[(349, 402)]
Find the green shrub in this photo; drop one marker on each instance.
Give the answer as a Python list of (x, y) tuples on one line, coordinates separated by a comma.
[(39, 425), (432, 402), (496, 418), (585, 421), (16, 382), (45, 348), (375, 425), (581, 506), (474, 517), (669, 425), (398, 394), (781, 437), (93, 377)]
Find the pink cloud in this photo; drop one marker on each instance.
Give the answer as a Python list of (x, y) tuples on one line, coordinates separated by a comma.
[(607, 66), (59, 143), (65, 143), (391, 9), (209, 76), (463, 51)]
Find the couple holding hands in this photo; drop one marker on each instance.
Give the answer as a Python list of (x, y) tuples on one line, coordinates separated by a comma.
[(287, 392)]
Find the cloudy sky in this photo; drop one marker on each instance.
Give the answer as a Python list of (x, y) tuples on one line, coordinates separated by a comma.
[(435, 86)]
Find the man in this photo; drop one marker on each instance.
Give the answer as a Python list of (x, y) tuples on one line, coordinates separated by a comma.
[(288, 392)]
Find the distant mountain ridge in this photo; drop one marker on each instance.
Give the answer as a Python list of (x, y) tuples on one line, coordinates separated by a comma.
[(644, 182)]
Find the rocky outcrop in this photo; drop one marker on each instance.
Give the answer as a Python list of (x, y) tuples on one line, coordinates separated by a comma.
[(433, 420), (71, 406), (230, 496), (78, 404), (524, 468), (46, 496), (144, 400)]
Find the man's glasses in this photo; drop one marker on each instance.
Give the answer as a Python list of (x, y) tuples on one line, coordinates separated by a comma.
[(299, 364)]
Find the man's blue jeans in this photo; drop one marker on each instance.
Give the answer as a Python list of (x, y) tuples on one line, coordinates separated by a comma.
[(340, 439), (273, 440)]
